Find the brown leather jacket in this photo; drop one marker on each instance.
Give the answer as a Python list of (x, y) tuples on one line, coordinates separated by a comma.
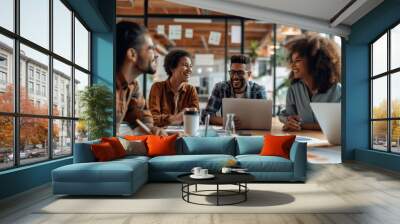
[(130, 104), (163, 104)]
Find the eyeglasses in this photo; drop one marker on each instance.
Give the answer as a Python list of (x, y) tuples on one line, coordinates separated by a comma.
[(297, 61), (240, 73)]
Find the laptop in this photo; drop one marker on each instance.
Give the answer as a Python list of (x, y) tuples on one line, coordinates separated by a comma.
[(254, 114), (329, 119)]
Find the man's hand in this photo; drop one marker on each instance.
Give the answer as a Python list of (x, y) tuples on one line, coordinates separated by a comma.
[(214, 120), (293, 123), (158, 131)]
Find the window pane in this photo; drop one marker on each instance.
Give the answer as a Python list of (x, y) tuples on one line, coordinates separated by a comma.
[(62, 141), (395, 95), (35, 21), (81, 81), (7, 14), (33, 140), (81, 131), (62, 89), (379, 135), (395, 138), (81, 45), (379, 55), (379, 98), (395, 47), (34, 72), (6, 142), (6, 74), (62, 29), (259, 44)]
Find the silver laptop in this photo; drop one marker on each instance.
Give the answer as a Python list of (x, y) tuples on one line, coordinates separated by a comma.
[(329, 119), (254, 114)]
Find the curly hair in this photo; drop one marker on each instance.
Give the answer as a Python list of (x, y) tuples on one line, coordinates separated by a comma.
[(322, 56), (172, 59)]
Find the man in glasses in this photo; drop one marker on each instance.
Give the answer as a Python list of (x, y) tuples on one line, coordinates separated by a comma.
[(135, 56), (239, 86)]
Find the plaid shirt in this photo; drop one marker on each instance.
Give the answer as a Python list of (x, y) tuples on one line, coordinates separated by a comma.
[(225, 90)]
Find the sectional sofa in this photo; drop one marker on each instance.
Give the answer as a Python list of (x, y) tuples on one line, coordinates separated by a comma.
[(125, 176)]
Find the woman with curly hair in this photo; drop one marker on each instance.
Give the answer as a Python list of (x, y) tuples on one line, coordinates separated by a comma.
[(315, 77)]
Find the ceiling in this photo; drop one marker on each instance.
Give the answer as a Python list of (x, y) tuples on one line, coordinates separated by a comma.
[(327, 16), (199, 44)]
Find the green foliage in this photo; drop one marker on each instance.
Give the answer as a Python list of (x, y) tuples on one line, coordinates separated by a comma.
[(253, 50), (96, 103), (281, 54)]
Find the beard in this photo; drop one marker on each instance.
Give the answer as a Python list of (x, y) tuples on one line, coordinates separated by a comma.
[(240, 86), (146, 67)]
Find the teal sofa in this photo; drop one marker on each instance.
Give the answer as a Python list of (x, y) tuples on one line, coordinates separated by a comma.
[(125, 176)]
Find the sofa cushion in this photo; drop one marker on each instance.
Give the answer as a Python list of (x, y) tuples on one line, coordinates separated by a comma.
[(111, 171), (206, 145), (277, 145), (103, 152), (161, 145), (116, 145), (249, 144), (257, 163), (185, 163)]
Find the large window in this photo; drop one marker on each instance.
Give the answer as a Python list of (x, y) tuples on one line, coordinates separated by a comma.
[(385, 95), (44, 64), (212, 38)]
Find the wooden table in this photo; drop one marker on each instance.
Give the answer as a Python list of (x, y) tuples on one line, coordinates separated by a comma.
[(276, 129)]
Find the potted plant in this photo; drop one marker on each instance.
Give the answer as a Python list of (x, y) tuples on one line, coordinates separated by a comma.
[(96, 103)]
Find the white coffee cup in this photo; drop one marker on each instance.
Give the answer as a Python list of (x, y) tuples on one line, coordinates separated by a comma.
[(203, 172), (196, 171), (191, 122), (226, 170)]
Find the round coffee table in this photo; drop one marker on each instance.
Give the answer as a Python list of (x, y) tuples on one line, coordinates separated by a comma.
[(238, 179)]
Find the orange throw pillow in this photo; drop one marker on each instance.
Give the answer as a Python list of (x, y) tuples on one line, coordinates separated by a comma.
[(277, 145), (103, 152), (116, 145), (161, 145)]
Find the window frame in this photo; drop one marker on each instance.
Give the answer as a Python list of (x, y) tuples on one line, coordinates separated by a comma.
[(388, 74), (16, 115)]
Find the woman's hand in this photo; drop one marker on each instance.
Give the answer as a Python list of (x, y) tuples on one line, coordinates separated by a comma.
[(293, 123), (176, 119)]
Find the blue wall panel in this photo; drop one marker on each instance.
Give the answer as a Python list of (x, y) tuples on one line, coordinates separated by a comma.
[(356, 85), (24, 178)]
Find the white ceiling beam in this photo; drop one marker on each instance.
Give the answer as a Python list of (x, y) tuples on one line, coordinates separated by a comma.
[(348, 12), (267, 15)]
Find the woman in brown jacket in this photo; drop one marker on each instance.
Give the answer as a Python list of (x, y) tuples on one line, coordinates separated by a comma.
[(168, 99)]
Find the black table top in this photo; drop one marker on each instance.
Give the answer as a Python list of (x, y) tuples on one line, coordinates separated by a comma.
[(220, 178)]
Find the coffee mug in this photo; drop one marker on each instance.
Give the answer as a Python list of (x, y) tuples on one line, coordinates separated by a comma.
[(196, 171), (203, 172), (226, 170)]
